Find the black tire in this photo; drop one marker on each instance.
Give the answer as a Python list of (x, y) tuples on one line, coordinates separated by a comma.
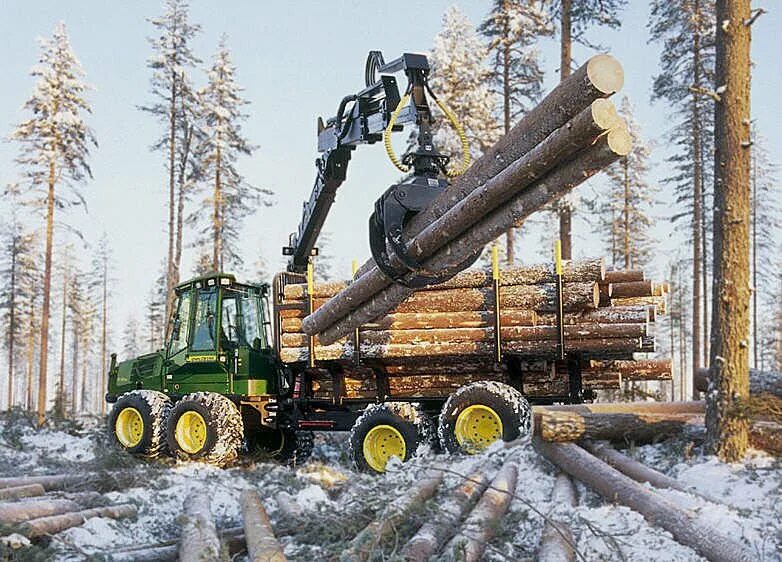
[(153, 408), (507, 403), (287, 446), (224, 431), (405, 418)]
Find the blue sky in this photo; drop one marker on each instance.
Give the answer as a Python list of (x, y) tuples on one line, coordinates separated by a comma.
[(296, 60)]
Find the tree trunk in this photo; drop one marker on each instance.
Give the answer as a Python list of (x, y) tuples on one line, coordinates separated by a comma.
[(556, 541), (431, 536), (598, 78), (51, 482), (543, 193), (559, 426), (103, 338), (614, 486), (366, 541), (53, 524), (565, 60), (61, 378), (726, 429), (262, 546), (12, 323), (199, 535), (16, 512), (17, 492), (217, 228), (172, 127), (30, 354), (675, 408), (47, 286), (631, 289), (482, 524)]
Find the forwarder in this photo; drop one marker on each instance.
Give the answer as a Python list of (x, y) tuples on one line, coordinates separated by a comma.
[(219, 388)]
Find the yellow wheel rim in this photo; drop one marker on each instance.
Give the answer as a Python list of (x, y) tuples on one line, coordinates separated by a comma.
[(190, 432), (380, 444), (477, 427), (129, 427)]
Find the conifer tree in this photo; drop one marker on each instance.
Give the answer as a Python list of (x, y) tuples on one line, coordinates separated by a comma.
[(622, 212), (460, 78), (131, 345), (100, 287), (575, 18), (176, 109), (685, 28), (513, 28), (54, 148), (65, 273), (230, 198)]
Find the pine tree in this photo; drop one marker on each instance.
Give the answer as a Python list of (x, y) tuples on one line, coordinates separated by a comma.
[(131, 345), (18, 274), (460, 78), (176, 109), (54, 148), (622, 212), (513, 28), (65, 273), (766, 233), (575, 18), (686, 30), (100, 287), (154, 319)]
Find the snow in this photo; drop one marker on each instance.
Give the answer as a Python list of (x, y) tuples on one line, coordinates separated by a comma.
[(332, 501)]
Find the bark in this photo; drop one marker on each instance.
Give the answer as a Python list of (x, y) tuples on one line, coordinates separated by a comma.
[(53, 524), (565, 61), (544, 192), (698, 287), (433, 534), (61, 378), (679, 408), (104, 338), (624, 276), (43, 358), (262, 546), (766, 435), (639, 472), (559, 426), (729, 361), (11, 328), (616, 315), (199, 535), (556, 541), (53, 482), (614, 486), (631, 289), (599, 77), (646, 369), (17, 512), (366, 541), (482, 524), (25, 491), (659, 304)]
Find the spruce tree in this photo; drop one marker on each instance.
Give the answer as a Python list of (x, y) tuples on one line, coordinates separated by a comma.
[(54, 148), (623, 211), (175, 107), (513, 28), (461, 79), (685, 28), (230, 198), (575, 18), (131, 346), (100, 288)]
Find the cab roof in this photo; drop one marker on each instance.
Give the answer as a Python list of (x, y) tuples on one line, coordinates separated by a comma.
[(224, 279)]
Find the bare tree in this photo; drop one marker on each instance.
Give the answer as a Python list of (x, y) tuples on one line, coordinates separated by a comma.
[(55, 143)]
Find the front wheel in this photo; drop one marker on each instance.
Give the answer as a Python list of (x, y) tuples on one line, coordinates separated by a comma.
[(478, 414), (206, 427), (137, 422)]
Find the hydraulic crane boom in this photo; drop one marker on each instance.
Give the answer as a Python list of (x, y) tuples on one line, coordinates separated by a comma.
[(367, 117)]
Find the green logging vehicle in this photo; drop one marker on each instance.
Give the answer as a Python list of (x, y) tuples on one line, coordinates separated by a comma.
[(218, 389)]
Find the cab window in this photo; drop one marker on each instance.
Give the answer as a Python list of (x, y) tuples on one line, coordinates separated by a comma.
[(181, 328), (204, 336)]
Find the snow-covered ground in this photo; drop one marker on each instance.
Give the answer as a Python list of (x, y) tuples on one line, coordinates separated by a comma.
[(337, 502)]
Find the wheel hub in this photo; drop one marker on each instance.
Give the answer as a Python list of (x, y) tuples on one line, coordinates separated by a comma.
[(477, 427), (380, 444), (129, 427), (190, 432)]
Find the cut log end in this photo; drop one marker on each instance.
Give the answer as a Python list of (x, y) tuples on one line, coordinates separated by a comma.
[(620, 141), (604, 114), (605, 73)]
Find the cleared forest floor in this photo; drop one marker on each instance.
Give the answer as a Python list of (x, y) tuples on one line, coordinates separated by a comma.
[(336, 502)]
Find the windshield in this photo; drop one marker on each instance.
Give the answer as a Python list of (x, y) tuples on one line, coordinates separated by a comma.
[(240, 320), (204, 338), (181, 328)]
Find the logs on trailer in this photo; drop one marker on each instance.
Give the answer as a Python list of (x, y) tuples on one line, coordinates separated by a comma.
[(600, 77), (53, 524), (614, 486), (199, 534), (432, 535), (16, 512), (556, 541), (385, 525), (559, 426), (262, 546), (482, 523), (17, 492)]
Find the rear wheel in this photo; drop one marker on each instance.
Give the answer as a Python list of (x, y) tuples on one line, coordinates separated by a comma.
[(283, 445), (207, 427), (137, 422), (478, 414), (391, 429)]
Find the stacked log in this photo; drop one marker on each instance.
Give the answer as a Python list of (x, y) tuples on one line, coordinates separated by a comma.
[(573, 133), (446, 333)]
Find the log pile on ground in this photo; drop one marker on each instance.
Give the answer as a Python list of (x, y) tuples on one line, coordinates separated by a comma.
[(573, 133), (446, 333)]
